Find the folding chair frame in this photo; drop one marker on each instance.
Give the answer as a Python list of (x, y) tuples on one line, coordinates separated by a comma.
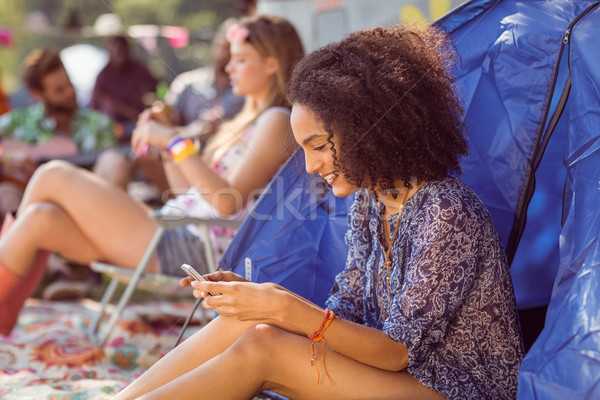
[(164, 222)]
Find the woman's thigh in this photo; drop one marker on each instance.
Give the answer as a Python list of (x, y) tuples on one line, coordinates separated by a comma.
[(293, 375), (117, 226)]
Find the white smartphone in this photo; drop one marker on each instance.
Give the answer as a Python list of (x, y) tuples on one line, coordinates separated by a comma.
[(194, 274)]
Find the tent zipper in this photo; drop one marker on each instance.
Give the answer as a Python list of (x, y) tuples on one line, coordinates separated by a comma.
[(521, 210)]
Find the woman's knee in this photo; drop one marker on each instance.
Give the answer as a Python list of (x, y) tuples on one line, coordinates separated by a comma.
[(53, 174), (260, 343)]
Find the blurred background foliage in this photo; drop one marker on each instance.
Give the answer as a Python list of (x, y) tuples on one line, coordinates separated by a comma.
[(28, 24)]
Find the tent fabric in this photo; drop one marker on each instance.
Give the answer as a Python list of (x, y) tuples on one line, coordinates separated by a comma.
[(294, 234), (565, 361), (534, 161), (507, 54), (516, 59)]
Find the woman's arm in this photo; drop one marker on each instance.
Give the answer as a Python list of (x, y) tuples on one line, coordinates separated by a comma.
[(175, 178), (155, 127), (265, 153), (271, 304)]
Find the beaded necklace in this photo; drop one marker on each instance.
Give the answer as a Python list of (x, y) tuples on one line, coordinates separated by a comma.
[(387, 255)]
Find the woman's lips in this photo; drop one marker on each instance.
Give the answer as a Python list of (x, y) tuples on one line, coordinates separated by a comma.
[(330, 178)]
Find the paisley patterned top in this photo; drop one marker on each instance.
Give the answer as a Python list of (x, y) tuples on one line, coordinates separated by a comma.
[(451, 299)]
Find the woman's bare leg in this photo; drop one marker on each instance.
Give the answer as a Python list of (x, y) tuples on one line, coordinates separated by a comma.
[(114, 224), (19, 246), (73, 212), (208, 342), (266, 358)]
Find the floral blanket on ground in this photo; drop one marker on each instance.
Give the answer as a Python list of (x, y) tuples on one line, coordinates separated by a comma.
[(49, 356)]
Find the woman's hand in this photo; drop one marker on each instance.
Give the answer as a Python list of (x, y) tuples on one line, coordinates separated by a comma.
[(161, 113), (246, 301), (151, 133), (219, 276)]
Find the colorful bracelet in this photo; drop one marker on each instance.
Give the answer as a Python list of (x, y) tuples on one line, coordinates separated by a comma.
[(181, 148), (318, 337)]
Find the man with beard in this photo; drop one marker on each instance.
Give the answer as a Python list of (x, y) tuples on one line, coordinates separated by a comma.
[(54, 127)]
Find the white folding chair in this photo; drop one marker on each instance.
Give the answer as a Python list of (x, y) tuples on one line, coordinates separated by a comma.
[(99, 335)]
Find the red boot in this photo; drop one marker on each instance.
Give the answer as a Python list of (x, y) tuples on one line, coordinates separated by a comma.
[(14, 290)]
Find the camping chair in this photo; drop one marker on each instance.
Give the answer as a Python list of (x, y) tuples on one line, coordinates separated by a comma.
[(137, 277)]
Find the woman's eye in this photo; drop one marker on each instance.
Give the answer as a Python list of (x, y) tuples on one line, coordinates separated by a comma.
[(319, 148)]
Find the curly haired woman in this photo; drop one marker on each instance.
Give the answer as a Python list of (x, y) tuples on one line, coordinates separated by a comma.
[(426, 301)]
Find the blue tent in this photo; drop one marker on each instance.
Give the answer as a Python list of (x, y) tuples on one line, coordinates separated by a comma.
[(529, 75)]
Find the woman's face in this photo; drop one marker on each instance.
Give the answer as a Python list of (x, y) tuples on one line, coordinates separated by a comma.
[(250, 73), (312, 137)]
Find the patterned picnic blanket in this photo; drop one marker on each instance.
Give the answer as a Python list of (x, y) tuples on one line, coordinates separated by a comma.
[(49, 356)]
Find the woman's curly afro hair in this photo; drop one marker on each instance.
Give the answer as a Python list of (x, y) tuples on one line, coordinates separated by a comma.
[(387, 97)]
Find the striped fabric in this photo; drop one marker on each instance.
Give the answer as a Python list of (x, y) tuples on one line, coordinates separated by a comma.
[(179, 246)]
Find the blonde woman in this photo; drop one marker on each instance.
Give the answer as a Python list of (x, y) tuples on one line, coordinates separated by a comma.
[(73, 212)]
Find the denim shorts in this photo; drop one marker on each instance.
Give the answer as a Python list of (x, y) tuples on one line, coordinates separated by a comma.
[(180, 246)]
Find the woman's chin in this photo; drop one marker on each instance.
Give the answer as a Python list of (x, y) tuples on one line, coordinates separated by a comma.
[(342, 191)]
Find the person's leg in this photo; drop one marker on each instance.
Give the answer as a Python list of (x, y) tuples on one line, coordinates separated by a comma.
[(75, 213), (14, 290), (208, 342), (18, 286), (114, 167), (67, 280), (116, 226), (265, 358), (54, 230)]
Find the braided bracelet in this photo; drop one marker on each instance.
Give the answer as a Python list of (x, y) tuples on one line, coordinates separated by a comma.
[(318, 337)]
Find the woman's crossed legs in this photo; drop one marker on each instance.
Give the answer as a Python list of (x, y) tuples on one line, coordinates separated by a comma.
[(229, 359), (77, 214)]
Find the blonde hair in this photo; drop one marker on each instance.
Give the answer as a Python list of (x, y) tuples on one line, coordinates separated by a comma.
[(274, 37)]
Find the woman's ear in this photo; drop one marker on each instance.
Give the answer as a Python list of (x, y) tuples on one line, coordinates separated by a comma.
[(271, 65)]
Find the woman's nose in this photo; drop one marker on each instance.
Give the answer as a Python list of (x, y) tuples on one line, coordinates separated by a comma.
[(313, 164)]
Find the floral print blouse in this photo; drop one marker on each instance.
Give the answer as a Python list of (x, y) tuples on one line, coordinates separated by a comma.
[(451, 299)]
